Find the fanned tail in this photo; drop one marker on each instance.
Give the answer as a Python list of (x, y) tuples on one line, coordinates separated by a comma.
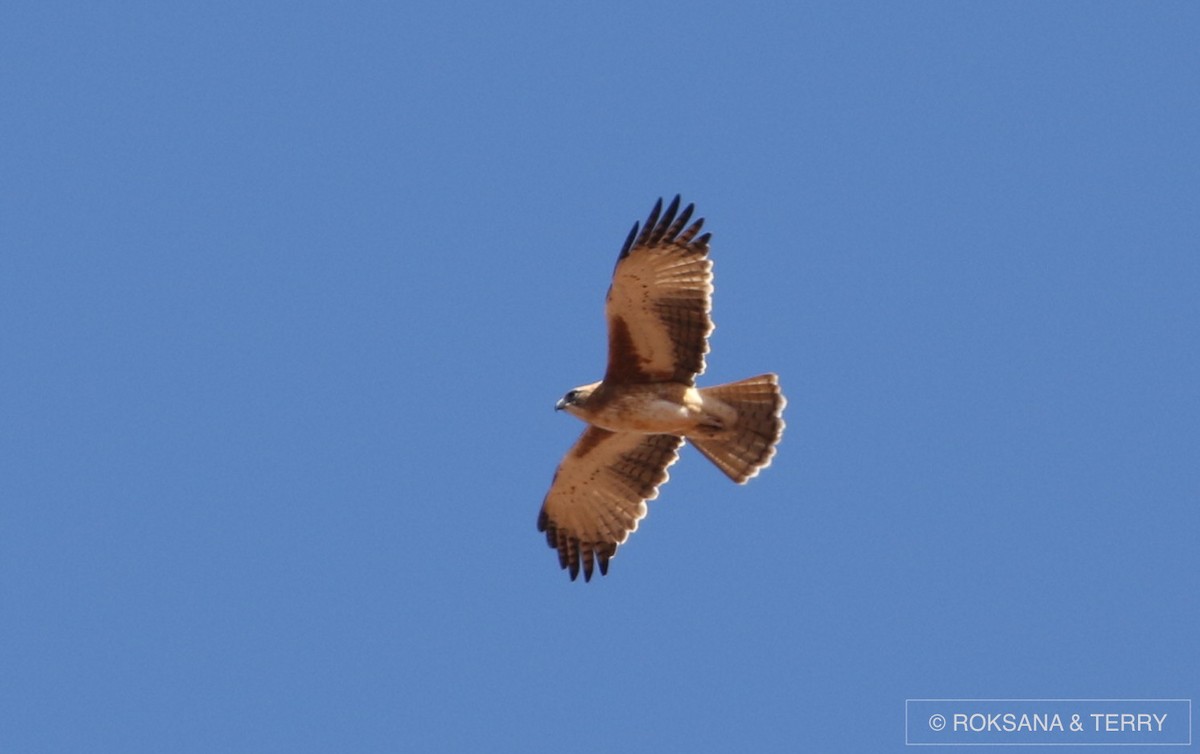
[(747, 447)]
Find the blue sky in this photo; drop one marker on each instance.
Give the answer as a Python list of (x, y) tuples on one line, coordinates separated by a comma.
[(288, 292)]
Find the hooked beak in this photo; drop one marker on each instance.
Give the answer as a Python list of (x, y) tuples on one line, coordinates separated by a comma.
[(562, 403)]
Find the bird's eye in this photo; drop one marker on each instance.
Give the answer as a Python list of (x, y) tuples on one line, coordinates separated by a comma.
[(571, 396)]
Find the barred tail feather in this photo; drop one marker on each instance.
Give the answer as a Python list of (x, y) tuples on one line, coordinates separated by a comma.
[(742, 450)]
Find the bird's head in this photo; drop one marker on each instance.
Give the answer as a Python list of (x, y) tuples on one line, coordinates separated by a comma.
[(576, 399)]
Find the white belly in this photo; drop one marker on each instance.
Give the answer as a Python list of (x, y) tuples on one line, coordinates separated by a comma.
[(650, 414)]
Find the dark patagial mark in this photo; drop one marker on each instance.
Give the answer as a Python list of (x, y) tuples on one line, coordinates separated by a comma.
[(624, 363)]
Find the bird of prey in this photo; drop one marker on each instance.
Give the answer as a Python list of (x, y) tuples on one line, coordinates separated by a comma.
[(658, 326)]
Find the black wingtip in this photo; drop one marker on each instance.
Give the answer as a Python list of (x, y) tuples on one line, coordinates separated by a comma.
[(682, 221), (663, 226), (651, 222), (673, 208), (628, 242), (669, 226), (585, 558)]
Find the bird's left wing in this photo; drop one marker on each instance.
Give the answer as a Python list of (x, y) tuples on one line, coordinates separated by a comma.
[(599, 494)]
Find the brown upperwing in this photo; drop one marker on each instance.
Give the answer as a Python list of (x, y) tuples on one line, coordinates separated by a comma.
[(659, 302), (599, 494)]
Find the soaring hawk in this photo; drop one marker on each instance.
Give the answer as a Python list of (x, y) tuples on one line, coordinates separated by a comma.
[(658, 325)]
